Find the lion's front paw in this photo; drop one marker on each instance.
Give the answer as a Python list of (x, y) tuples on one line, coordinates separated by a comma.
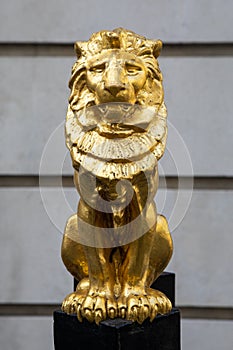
[(138, 308), (134, 308), (160, 304)]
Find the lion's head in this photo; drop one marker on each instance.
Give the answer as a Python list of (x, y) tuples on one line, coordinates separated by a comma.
[(116, 66), (121, 67)]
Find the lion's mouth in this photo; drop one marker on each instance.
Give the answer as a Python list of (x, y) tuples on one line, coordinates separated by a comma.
[(121, 119), (116, 130)]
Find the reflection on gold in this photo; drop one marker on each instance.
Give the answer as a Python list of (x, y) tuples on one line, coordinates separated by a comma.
[(116, 245)]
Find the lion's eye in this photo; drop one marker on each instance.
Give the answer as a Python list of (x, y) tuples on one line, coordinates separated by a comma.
[(132, 69), (97, 69)]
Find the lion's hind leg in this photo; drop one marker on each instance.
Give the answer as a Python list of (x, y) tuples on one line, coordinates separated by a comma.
[(74, 258), (161, 252), (160, 256)]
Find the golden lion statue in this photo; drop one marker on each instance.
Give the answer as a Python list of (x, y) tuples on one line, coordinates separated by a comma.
[(116, 245)]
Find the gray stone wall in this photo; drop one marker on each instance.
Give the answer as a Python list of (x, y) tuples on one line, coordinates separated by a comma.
[(36, 56)]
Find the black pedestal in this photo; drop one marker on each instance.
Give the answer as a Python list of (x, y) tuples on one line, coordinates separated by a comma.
[(162, 334), (166, 284)]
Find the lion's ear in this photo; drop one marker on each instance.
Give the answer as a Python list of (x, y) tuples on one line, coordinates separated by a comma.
[(157, 48), (80, 48)]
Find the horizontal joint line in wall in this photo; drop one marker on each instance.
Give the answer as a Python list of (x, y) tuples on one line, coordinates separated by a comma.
[(66, 49), (187, 312), (167, 182)]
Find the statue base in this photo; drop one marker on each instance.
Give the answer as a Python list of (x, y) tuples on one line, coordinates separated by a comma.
[(118, 334)]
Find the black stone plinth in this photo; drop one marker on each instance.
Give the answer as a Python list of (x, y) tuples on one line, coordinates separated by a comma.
[(166, 284), (118, 334)]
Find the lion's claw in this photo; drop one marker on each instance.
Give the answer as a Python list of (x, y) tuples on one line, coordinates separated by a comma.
[(111, 309), (132, 308), (122, 312), (79, 312), (88, 314), (99, 316), (111, 313)]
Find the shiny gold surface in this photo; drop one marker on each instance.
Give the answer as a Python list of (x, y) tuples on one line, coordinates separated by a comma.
[(116, 245)]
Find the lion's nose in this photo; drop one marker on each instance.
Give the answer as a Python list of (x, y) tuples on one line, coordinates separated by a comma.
[(114, 88)]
